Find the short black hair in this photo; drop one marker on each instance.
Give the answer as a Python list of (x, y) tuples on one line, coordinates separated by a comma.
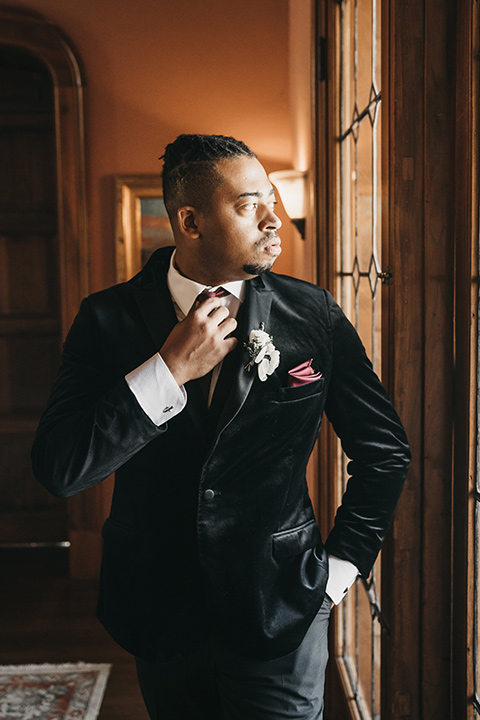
[(190, 172)]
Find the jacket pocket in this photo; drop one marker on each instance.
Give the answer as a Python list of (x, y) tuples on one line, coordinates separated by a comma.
[(118, 531), (306, 390), (296, 540)]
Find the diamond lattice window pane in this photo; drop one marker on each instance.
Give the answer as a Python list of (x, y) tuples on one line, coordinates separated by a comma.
[(359, 217)]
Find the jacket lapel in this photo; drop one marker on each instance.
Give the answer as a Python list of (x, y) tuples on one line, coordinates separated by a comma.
[(156, 306), (157, 311), (258, 301), (153, 298)]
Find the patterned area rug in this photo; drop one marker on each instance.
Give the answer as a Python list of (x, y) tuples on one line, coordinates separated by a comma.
[(52, 692)]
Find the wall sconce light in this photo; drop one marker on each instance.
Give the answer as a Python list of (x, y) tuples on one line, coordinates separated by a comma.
[(292, 186)]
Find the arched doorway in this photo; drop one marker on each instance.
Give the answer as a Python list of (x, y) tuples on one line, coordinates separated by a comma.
[(43, 258)]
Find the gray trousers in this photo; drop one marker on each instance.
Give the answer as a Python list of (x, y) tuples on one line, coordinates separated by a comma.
[(216, 684)]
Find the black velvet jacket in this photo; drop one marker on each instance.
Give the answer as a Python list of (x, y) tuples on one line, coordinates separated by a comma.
[(244, 560)]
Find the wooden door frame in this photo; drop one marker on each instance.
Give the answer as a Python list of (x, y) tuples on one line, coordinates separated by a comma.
[(34, 33)]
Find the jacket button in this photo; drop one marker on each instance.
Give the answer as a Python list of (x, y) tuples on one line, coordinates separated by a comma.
[(208, 495)]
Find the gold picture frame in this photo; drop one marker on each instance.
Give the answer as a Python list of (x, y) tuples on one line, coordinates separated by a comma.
[(142, 223)]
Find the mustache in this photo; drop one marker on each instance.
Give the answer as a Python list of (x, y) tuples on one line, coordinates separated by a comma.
[(268, 236)]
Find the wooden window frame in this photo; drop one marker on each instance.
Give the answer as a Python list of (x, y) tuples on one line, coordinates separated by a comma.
[(467, 380), (430, 102)]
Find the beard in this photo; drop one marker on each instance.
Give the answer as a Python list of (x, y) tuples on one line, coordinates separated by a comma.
[(257, 268)]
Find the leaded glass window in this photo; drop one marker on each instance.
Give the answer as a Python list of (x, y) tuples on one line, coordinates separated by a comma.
[(359, 282)]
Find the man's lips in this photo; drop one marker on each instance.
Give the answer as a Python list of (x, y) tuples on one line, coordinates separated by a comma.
[(272, 247)]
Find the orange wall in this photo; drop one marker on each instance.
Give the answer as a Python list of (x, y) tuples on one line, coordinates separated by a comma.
[(155, 69)]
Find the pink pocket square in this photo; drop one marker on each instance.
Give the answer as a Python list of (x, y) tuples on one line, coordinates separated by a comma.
[(302, 374)]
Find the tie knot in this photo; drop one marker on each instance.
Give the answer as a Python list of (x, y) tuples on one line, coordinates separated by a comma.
[(219, 292)]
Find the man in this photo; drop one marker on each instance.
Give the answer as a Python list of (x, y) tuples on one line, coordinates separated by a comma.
[(214, 574)]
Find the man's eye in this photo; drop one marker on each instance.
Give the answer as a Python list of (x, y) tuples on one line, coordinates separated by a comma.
[(250, 206)]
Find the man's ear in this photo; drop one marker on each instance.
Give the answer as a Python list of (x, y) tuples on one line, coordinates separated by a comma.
[(187, 221)]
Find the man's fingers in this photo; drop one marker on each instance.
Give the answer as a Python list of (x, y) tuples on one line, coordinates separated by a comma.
[(200, 341), (231, 344), (205, 306), (209, 308), (227, 326), (219, 314)]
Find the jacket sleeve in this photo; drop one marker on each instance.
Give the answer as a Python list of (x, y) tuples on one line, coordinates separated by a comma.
[(89, 428), (374, 440)]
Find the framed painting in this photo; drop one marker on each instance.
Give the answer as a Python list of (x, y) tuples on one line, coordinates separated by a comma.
[(142, 224)]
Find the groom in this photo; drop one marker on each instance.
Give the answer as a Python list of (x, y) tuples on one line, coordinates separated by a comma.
[(202, 383)]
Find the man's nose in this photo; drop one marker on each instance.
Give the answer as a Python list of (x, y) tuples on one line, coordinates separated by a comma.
[(270, 220)]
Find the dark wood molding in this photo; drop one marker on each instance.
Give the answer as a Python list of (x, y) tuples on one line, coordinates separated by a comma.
[(465, 379), (36, 34)]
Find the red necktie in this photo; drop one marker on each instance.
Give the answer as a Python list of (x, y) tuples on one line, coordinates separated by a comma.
[(219, 292)]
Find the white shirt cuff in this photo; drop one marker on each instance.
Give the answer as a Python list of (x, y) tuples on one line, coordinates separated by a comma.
[(341, 575), (156, 390)]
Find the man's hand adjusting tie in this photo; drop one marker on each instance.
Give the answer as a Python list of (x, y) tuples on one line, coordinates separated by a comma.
[(200, 341)]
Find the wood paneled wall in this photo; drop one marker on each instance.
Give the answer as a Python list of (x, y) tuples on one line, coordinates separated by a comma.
[(429, 299)]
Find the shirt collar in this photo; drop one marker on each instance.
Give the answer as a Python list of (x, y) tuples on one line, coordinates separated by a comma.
[(185, 291)]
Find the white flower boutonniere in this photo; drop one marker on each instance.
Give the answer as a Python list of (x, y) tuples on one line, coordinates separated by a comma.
[(262, 353)]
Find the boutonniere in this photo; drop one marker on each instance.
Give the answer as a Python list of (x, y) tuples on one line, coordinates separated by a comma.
[(262, 353)]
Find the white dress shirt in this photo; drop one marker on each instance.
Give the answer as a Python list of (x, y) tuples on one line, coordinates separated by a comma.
[(159, 395)]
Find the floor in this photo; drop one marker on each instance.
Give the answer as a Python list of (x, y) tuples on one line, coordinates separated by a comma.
[(46, 617)]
